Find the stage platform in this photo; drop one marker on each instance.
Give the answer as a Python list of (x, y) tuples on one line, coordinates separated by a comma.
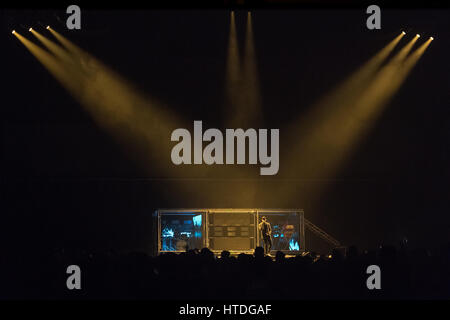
[(233, 230)]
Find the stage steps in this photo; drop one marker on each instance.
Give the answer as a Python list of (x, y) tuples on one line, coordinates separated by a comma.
[(325, 236)]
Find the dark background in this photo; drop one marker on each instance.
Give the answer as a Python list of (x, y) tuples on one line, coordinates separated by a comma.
[(68, 184)]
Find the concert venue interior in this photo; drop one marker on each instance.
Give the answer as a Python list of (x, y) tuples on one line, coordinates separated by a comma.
[(364, 152)]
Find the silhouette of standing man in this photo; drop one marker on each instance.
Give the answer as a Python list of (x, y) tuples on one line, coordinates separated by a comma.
[(266, 231)]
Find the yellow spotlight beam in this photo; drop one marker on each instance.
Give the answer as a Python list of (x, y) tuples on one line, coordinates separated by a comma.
[(358, 80), (250, 112), (139, 122), (243, 89), (232, 81), (242, 99), (49, 61), (373, 64), (415, 56), (341, 120), (341, 96), (400, 56), (66, 43), (374, 100), (142, 124), (388, 81), (54, 48)]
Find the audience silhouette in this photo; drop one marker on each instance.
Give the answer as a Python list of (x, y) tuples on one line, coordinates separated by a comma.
[(200, 274)]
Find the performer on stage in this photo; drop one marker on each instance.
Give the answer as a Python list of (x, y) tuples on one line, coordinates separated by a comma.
[(266, 231)]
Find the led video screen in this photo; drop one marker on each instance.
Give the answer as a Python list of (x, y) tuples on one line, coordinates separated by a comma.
[(285, 230), (181, 231)]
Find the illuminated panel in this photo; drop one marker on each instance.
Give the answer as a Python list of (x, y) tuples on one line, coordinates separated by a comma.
[(181, 231), (285, 230)]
